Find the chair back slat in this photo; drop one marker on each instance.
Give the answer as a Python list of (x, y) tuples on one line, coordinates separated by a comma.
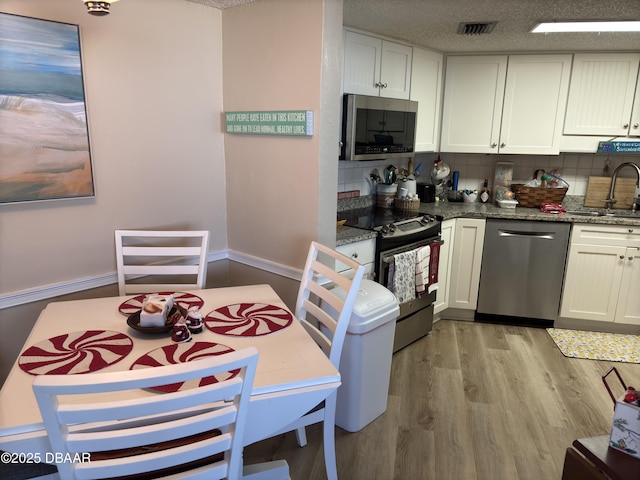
[(124, 410), (132, 436), (161, 251), (161, 431), (152, 253), (320, 306)]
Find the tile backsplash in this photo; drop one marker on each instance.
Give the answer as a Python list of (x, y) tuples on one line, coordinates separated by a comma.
[(474, 168)]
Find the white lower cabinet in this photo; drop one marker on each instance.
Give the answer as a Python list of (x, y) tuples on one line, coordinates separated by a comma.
[(628, 310), (466, 261), (444, 266), (602, 277), (363, 252)]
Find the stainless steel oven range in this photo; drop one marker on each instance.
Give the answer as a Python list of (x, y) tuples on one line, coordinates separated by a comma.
[(398, 232)]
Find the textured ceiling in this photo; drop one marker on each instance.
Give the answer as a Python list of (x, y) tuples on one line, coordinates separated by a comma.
[(434, 23)]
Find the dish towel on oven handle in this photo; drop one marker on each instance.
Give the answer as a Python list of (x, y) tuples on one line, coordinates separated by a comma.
[(402, 276), (427, 259), (423, 264)]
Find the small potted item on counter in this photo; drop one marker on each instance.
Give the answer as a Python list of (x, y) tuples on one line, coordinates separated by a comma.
[(470, 196)]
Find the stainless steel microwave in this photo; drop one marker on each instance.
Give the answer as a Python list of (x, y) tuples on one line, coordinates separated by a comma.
[(376, 128)]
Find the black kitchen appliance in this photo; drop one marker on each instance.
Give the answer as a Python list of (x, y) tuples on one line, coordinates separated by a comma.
[(400, 231), (426, 192)]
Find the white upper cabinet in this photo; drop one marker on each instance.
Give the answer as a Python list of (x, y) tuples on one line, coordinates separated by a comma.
[(505, 104), (376, 67), (426, 89), (604, 95), (472, 109)]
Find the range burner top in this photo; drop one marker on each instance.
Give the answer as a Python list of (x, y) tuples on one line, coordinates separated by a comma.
[(389, 222)]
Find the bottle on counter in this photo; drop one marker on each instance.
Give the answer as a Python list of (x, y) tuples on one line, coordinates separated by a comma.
[(484, 191)]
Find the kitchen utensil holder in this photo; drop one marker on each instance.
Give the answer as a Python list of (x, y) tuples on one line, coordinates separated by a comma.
[(535, 196), (385, 193)]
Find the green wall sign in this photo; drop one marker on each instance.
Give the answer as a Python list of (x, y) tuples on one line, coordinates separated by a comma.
[(287, 122), (618, 147)]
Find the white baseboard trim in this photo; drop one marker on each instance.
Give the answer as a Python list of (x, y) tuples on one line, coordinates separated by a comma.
[(45, 292), (55, 290), (266, 265)]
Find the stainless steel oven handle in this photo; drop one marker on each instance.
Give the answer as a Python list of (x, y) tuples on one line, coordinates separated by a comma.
[(390, 258)]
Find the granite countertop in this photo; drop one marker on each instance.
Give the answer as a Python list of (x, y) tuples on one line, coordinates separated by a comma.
[(346, 235), (450, 210)]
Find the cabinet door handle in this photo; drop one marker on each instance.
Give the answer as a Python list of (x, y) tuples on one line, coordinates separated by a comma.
[(626, 125), (621, 257), (630, 258), (636, 125), (354, 255), (502, 145), (631, 230), (494, 145), (384, 85)]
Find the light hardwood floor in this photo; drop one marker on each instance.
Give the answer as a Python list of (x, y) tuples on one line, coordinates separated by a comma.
[(471, 401)]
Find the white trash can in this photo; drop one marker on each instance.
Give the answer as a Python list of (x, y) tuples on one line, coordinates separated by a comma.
[(365, 364)]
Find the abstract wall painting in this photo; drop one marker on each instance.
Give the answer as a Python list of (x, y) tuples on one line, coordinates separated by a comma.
[(44, 137)]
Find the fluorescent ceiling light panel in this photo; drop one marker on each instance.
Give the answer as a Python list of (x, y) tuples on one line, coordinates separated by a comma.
[(560, 27)]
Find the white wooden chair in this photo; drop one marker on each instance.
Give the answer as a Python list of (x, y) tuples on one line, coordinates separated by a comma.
[(170, 258), (194, 433), (325, 313)]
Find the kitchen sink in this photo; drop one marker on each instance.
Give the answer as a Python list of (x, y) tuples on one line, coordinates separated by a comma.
[(594, 213)]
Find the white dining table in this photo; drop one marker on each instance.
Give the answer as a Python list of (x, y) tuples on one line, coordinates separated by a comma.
[(293, 374)]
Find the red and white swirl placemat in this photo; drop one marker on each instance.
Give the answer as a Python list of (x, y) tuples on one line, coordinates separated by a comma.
[(248, 319), (76, 352), (181, 353), (183, 299)]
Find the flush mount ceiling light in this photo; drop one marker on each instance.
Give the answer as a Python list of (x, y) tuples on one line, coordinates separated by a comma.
[(98, 9), (595, 27)]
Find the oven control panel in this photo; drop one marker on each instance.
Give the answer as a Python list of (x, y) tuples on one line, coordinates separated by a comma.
[(409, 226)]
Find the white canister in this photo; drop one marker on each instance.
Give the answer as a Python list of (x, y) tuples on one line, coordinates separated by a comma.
[(409, 184)]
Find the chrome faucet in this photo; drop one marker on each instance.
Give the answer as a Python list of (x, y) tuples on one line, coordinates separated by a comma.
[(609, 202)]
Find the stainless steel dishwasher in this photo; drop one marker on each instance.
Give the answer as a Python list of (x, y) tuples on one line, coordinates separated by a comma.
[(522, 271)]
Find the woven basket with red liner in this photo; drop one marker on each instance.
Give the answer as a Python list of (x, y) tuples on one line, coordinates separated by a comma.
[(536, 196)]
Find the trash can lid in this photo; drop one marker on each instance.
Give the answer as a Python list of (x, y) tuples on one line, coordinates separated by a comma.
[(374, 306)]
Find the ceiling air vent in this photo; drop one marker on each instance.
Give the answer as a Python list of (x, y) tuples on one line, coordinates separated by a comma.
[(477, 28)]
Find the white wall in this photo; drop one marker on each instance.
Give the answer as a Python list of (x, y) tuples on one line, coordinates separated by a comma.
[(273, 60), (153, 85)]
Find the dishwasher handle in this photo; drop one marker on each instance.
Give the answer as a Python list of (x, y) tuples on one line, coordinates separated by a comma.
[(522, 234)]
